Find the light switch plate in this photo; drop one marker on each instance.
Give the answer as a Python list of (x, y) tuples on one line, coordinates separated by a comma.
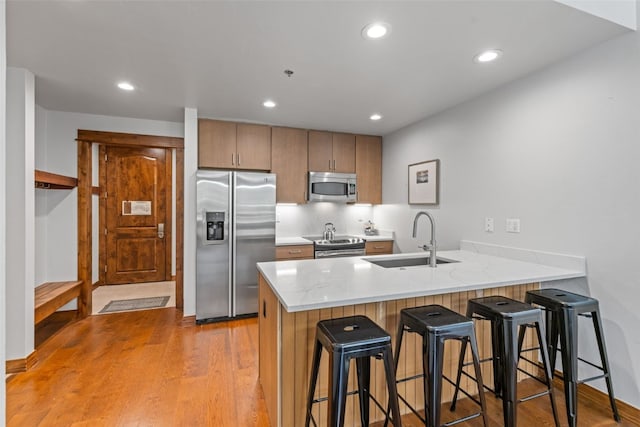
[(488, 225), (513, 225)]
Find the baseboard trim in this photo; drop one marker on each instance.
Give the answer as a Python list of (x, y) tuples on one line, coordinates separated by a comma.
[(599, 398), (96, 285), (173, 278), (15, 366)]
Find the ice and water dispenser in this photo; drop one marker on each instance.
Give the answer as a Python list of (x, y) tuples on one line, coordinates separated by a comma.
[(214, 223)]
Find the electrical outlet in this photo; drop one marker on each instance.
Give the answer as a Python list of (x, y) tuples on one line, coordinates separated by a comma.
[(513, 225), (488, 225)]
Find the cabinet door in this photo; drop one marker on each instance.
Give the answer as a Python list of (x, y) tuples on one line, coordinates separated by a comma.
[(253, 147), (216, 144), (289, 163), (379, 247), (369, 168), (320, 151), (344, 153), (269, 360), (294, 252)]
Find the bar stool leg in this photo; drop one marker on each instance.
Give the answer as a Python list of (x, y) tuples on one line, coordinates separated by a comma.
[(547, 370), (463, 352), (496, 353), (509, 364), (363, 367), (391, 386), (569, 342), (315, 367), (476, 366), (396, 358), (339, 368), (433, 387), (597, 325), (552, 338)]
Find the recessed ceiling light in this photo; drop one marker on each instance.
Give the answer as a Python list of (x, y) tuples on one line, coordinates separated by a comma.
[(375, 117), (269, 103), (126, 86), (488, 56), (376, 30)]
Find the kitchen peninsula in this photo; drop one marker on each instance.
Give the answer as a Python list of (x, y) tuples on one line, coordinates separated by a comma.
[(295, 295)]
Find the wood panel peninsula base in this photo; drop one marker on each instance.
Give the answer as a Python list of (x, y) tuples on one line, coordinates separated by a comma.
[(296, 294), (286, 348)]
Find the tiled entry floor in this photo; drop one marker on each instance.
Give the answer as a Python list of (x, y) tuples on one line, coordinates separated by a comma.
[(105, 294)]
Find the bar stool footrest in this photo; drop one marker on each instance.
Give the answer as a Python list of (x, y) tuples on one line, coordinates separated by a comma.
[(533, 396), (597, 377), (463, 419)]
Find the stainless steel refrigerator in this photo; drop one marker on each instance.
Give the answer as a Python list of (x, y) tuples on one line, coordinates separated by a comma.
[(236, 216)]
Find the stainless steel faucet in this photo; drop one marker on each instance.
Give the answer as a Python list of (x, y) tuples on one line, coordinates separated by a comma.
[(432, 245), (329, 231)]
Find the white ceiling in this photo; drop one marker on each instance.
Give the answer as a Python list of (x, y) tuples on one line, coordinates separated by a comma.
[(225, 58)]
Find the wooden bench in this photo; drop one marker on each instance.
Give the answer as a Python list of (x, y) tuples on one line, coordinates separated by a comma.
[(50, 296)]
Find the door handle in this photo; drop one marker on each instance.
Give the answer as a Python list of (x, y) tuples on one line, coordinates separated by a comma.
[(161, 230)]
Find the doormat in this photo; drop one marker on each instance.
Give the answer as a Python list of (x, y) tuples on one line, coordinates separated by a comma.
[(135, 304)]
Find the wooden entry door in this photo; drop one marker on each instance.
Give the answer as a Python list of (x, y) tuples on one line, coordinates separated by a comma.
[(137, 216)]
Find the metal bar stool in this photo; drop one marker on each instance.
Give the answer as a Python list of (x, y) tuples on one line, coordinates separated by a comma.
[(563, 309), (436, 324), (509, 319), (346, 338)]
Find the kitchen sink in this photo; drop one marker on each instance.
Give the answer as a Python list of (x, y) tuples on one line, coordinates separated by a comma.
[(406, 262)]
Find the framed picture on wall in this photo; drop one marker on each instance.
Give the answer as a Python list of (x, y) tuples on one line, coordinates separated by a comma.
[(424, 183)]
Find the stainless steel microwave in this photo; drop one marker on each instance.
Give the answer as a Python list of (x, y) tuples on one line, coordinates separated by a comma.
[(332, 187)]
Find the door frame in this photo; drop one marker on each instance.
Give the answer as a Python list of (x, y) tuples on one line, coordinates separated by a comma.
[(85, 140)]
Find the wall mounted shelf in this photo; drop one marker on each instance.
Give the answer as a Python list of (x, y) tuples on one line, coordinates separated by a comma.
[(53, 181)]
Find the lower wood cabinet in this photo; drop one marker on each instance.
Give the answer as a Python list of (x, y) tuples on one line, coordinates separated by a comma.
[(294, 252), (379, 247)]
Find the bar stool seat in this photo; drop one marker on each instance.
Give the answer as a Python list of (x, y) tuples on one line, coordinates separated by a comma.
[(509, 319), (346, 338), (436, 324), (563, 309)]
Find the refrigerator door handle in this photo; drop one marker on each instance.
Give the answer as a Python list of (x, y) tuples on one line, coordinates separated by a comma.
[(232, 246)]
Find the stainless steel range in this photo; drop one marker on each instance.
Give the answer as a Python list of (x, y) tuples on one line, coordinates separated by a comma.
[(341, 246)]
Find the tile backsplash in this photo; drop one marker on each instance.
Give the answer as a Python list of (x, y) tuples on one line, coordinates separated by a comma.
[(309, 219)]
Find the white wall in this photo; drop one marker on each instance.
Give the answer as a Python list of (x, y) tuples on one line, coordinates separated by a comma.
[(190, 169), (559, 150), (3, 180), (20, 195), (57, 210)]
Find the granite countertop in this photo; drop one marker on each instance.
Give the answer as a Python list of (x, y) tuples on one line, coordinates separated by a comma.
[(324, 283), (290, 241)]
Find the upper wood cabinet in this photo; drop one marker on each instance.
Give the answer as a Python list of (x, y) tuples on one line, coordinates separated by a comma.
[(229, 145), (254, 147), (289, 163), (332, 152), (369, 168)]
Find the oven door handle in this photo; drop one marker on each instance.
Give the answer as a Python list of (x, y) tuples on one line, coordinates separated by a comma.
[(341, 252)]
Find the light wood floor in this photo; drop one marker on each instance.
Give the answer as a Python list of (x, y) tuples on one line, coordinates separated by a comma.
[(151, 368)]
